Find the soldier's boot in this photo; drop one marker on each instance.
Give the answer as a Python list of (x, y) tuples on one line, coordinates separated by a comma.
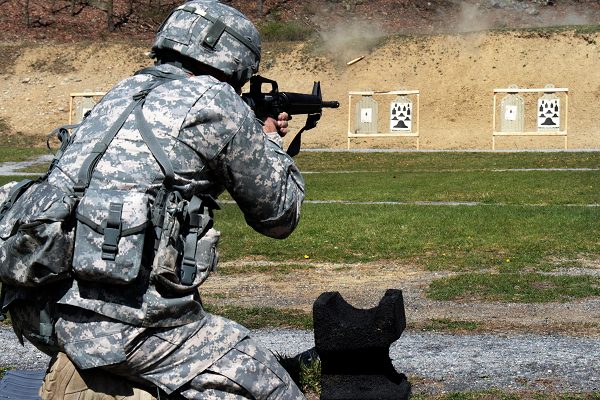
[(64, 381)]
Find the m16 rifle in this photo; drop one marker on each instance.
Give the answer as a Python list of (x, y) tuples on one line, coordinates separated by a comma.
[(274, 102)]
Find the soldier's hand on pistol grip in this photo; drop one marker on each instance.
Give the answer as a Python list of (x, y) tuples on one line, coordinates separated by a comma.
[(280, 125)]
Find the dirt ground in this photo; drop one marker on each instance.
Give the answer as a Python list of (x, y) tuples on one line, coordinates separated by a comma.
[(363, 285), (455, 75)]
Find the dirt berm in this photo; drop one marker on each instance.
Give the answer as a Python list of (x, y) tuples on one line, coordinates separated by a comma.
[(455, 74)]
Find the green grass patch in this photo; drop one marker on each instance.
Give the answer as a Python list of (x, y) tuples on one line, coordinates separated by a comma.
[(17, 154), (505, 233), (513, 287), (284, 31), (510, 238), (306, 375), (263, 317), (448, 325), (15, 139), (527, 187), (310, 377), (442, 161)]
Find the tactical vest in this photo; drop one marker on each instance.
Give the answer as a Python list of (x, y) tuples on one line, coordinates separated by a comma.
[(109, 227)]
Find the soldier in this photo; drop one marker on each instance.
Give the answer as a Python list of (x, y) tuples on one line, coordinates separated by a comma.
[(143, 168)]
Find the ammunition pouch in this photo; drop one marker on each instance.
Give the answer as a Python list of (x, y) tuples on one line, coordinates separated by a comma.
[(36, 235), (185, 243), (109, 243)]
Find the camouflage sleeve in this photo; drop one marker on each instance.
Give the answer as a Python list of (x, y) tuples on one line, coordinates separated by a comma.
[(264, 181), (5, 190), (259, 175)]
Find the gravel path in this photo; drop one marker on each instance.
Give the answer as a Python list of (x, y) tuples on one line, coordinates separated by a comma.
[(13, 168), (437, 362)]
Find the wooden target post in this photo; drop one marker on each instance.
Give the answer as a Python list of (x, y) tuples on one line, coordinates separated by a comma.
[(403, 116), (548, 119)]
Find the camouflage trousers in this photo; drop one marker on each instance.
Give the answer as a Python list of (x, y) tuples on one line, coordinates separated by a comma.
[(213, 358), (246, 371)]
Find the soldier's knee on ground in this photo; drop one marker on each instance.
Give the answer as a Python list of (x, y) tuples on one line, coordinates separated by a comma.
[(246, 372), (64, 381)]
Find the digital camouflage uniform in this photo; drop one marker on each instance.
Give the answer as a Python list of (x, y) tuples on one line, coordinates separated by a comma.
[(133, 329), (127, 310)]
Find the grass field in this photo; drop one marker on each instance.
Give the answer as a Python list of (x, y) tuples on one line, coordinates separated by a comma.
[(495, 217), (502, 222)]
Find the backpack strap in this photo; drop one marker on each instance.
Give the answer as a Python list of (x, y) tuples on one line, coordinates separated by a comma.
[(65, 138), (62, 133), (155, 148), (15, 192), (85, 173), (87, 168), (146, 131)]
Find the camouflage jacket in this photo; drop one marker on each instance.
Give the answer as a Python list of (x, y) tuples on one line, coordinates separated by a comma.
[(214, 143)]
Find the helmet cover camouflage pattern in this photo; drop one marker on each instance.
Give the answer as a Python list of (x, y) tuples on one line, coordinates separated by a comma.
[(215, 35)]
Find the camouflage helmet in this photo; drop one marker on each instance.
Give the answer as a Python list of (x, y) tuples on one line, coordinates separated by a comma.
[(213, 34)]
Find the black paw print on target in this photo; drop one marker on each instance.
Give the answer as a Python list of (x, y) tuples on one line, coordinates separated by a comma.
[(549, 113), (401, 112)]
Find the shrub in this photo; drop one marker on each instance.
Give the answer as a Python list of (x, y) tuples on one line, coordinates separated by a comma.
[(285, 31)]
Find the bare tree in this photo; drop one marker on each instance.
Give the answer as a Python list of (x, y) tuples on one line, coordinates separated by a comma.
[(106, 6), (109, 15), (26, 13)]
